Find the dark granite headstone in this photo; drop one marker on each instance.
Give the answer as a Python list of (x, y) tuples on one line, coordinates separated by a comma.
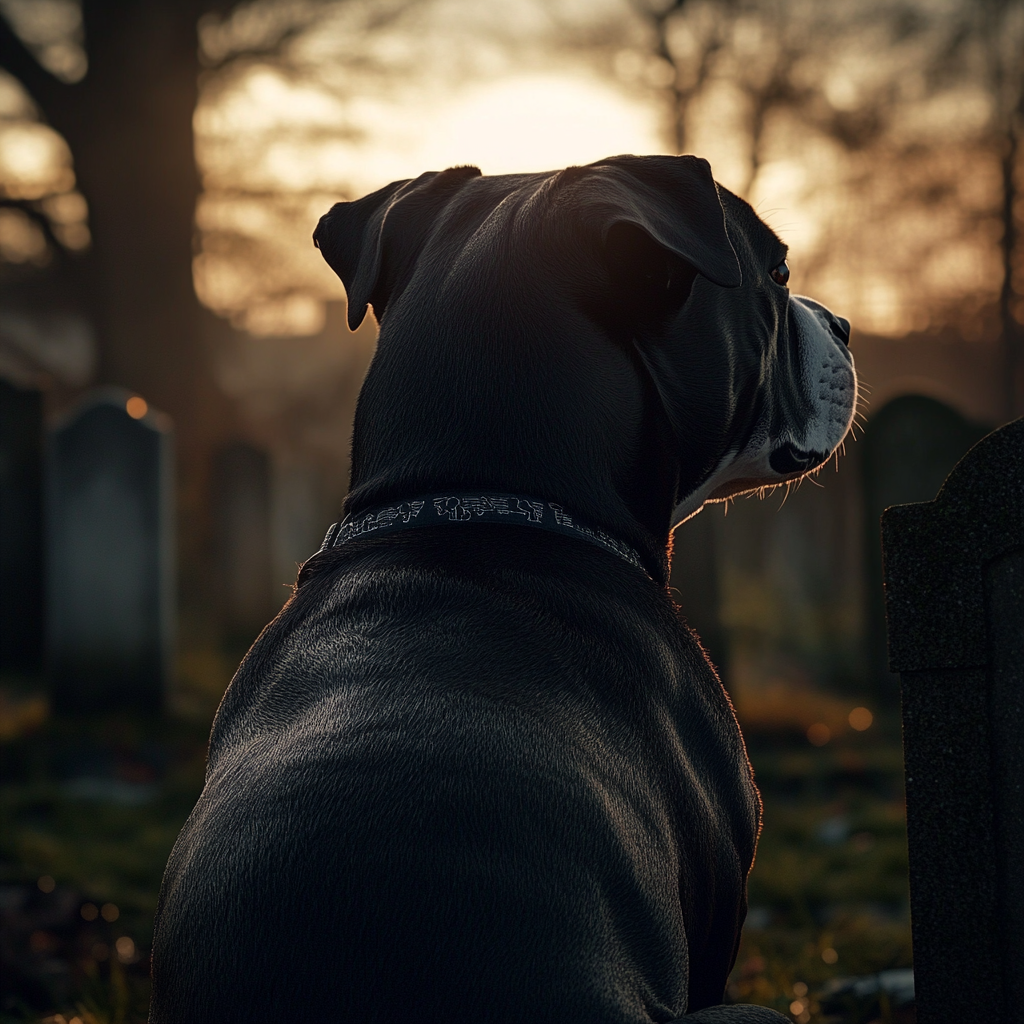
[(242, 509), (909, 447), (110, 557), (954, 587), (21, 530)]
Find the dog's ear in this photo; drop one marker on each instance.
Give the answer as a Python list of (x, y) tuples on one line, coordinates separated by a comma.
[(372, 244), (674, 201), (659, 222)]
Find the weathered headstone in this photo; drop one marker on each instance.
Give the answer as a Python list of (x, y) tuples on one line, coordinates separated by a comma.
[(242, 511), (954, 587), (21, 530), (110, 556)]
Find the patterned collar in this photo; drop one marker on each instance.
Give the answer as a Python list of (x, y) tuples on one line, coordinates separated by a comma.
[(455, 509)]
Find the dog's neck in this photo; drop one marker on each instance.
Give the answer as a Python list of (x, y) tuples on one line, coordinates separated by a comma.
[(596, 444)]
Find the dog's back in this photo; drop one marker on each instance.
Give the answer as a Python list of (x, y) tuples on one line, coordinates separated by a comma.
[(484, 777)]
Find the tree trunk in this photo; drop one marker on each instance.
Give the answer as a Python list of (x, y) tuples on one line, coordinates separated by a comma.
[(129, 126), (1010, 328)]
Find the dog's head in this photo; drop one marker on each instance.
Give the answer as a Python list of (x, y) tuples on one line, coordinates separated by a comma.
[(619, 337)]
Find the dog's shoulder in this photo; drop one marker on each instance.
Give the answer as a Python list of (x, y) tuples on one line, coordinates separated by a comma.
[(511, 650)]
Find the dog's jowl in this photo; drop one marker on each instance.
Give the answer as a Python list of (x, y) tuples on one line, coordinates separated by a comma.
[(477, 770)]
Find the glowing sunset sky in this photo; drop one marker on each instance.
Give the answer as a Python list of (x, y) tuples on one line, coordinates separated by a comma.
[(366, 92)]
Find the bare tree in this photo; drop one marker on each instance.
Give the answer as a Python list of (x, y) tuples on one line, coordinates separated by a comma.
[(295, 68), (918, 104), (998, 27), (686, 74), (128, 121)]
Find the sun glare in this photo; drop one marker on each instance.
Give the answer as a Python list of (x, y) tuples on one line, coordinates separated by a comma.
[(528, 123), (538, 123), (269, 137)]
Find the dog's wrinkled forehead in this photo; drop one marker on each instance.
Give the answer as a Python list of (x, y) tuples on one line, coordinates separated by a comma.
[(755, 243), (373, 244)]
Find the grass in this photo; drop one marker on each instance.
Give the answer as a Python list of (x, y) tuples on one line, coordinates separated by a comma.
[(99, 853), (828, 893)]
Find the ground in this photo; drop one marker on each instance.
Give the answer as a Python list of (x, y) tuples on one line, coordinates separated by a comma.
[(89, 811)]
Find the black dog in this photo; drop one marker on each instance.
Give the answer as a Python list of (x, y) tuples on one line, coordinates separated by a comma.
[(481, 772)]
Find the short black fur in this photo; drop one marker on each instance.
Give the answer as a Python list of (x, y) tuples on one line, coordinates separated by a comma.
[(486, 774)]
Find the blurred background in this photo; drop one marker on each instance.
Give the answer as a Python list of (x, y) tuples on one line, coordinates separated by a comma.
[(177, 386)]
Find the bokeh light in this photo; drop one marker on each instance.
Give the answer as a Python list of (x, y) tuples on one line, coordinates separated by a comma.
[(38, 178), (861, 719), (819, 734), (136, 407), (34, 160), (21, 239), (52, 30)]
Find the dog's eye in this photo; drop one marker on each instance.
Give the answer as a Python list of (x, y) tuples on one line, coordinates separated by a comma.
[(780, 274)]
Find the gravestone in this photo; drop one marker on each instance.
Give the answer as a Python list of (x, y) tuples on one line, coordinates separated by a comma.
[(909, 447), (110, 556), (21, 530), (954, 589), (242, 510)]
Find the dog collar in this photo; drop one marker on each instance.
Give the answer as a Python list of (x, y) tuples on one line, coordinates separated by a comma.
[(474, 507)]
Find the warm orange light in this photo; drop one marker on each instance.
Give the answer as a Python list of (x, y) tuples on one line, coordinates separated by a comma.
[(46, 883), (861, 719), (276, 153), (109, 912), (829, 955), (136, 407), (819, 734), (90, 911)]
